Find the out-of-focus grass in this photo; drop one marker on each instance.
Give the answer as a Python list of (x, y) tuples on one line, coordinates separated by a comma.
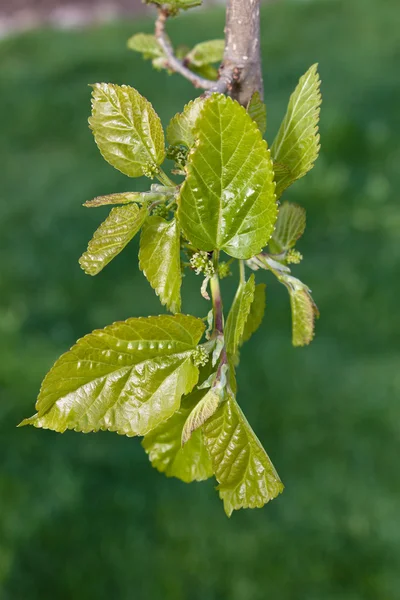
[(86, 517)]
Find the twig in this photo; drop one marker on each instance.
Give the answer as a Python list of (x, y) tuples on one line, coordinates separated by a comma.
[(173, 62)]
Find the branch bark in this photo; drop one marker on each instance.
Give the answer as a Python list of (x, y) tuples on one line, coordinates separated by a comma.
[(242, 58)]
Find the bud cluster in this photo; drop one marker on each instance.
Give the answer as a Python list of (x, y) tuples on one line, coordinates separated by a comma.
[(201, 263)]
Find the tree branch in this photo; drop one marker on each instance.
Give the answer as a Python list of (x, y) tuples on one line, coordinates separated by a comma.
[(242, 59), (174, 63)]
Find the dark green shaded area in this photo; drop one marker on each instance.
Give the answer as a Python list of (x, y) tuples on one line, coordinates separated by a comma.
[(85, 516)]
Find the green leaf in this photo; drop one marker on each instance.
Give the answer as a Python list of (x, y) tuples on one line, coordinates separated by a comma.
[(181, 127), (206, 71), (297, 144), (112, 236), (163, 445), (128, 377), (227, 201), (200, 414), (304, 311), (256, 313), (289, 228), (258, 111), (124, 198), (127, 130), (159, 259), (175, 4), (246, 476), (146, 44), (208, 52), (238, 315)]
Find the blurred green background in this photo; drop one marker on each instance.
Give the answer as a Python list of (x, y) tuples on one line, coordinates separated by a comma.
[(86, 517)]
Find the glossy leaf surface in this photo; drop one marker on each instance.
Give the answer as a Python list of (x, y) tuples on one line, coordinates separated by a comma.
[(127, 129), (159, 259), (258, 111), (112, 236), (238, 315), (227, 201), (127, 378), (289, 228), (181, 127), (297, 143), (246, 475), (122, 198), (164, 445), (304, 311), (256, 313)]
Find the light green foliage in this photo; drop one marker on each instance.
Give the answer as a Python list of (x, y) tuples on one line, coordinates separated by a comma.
[(246, 476), (190, 462), (127, 378), (200, 414), (303, 309), (258, 111), (290, 226), (112, 236), (227, 200), (297, 144), (159, 259), (146, 44), (256, 314), (176, 4), (139, 377), (206, 53), (181, 128), (238, 315), (127, 130)]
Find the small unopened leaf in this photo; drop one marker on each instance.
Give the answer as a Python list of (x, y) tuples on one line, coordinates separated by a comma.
[(256, 313), (289, 228), (123, 198), (200, 414), (159, 259), (258, 111), (127, 129), (297, 144), (112, 236), (146, 44), (181, 127), (238, 315), (127, 378), (227, 201), (246, 475), (164, 447), (304, 311), (208, 52)]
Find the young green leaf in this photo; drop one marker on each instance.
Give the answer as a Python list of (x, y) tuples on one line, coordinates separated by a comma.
[(227, 201), (304, 311), (159, 259), (256, 313), (163, 445), (206, 53), (127, 130), (200, 414), (258, 111), (175, 4), (238, 315), (127, 378), (124, 198), (181, 127), (246, 476), (146, 44), (112, 236), (297, 144), (289, 228)]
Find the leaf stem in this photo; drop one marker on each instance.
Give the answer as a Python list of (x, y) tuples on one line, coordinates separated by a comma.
[(242, 272), (164, 179)]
